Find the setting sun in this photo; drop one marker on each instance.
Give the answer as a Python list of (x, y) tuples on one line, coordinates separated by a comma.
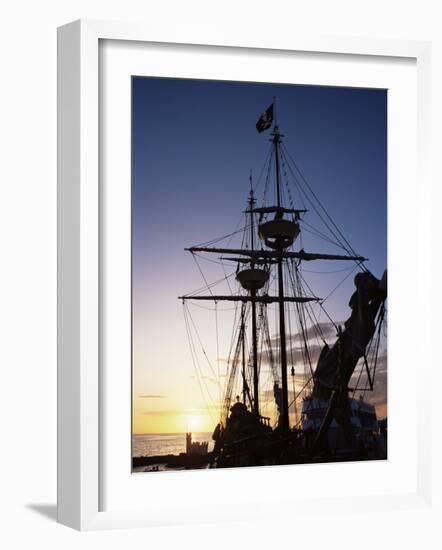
[(194, 423)]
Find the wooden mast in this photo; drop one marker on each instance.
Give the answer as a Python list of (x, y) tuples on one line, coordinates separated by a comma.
[(284, 417), (243, 331), (253, 295)]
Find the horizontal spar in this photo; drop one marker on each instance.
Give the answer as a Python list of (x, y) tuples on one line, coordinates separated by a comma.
[(301, 255), (248, 260), (258, 299), (275, 209)]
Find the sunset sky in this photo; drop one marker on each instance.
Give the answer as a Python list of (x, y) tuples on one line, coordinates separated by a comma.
[(194, 143)]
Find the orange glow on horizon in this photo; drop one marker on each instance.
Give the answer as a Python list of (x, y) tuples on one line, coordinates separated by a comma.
[(174, 422)]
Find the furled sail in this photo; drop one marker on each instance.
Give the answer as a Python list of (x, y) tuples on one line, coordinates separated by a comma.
[(337, 364)]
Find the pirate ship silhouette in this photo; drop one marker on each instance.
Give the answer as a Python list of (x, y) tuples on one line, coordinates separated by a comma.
[(328, 417)]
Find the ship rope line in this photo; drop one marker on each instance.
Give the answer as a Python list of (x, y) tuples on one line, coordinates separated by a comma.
[(227, 277), (212, 285), (237, 231), (247, 372), (264, 166), (208, 308), (370, 369), (266, 186), (269, 348), (232, 374), (302, 310), (287, 186), (336, 232), (378, 342), (313, 231), (220, 261), (260, 352), (314, 320), (235, 337), (201, 345), (272, 374), (259, 332), (338, 235), (300, 392), (217, 353), (294, 364), (296, 186), (267, 405), (246, 227), (198, 375), (339, 284), (231, 378), (234, 329), (304, 270), (208, 286), (231, 363), (319, 303), (296, 285), (299, 325), (306, 350)]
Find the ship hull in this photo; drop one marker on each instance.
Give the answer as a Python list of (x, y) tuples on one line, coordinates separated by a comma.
[(298, 446)]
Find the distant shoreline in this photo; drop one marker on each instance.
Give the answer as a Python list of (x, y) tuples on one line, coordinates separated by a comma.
[(173, 461)]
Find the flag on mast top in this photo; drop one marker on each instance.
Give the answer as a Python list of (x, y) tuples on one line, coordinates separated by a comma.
[(265, 120)]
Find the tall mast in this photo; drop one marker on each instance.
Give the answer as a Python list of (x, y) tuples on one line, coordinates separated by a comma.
[(243, 329), (253, 295), (284, 418)]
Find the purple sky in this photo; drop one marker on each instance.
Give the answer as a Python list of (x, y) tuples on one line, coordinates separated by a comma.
[(194, 143)]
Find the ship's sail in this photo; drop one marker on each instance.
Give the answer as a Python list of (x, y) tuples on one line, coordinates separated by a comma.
[(336, 364)]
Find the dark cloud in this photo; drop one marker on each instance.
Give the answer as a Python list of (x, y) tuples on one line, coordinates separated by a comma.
[(295, 354), (326, 330), (268, 396)]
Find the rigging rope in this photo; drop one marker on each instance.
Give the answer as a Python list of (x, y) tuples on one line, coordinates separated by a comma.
[(337, 232), (197, 368), (267, 159), (202, 347)]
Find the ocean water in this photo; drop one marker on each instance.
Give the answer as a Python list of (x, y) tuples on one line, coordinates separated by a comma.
[(165, 444)]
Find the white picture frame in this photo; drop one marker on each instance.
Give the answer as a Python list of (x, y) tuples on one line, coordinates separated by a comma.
[(79, 268)]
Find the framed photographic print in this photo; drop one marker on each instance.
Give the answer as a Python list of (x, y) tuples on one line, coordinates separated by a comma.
[(227, 215)]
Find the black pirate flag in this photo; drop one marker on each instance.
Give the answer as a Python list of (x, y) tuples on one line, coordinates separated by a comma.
[(265, 120)]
